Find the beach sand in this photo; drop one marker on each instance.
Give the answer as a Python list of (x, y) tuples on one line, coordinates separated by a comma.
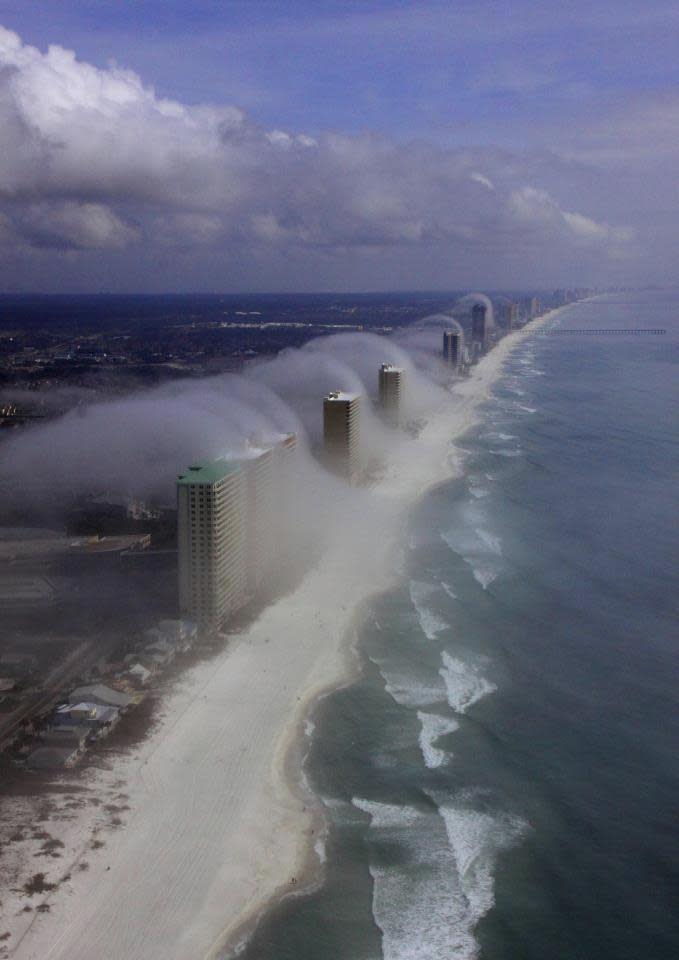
[(214, 816)]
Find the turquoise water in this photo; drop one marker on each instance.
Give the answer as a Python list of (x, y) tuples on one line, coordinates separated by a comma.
[(502, 779)]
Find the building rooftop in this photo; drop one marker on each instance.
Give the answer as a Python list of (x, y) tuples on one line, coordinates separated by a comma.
[(99, 691), (211, 471), (341, 395)]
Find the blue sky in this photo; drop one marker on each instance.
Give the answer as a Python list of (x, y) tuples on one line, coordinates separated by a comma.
[(482, 72), (556, 86)]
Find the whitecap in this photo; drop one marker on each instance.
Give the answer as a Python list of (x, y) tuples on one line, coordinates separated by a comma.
[(476, 838), (492, 541), (479, 548), (428, 902), (433, 727), (465, 683), (387, 814), (431, 623), (484, 576), (410, 689), (449, 590)]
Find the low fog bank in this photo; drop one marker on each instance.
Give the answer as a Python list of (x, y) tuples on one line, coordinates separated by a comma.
[(135, 446)]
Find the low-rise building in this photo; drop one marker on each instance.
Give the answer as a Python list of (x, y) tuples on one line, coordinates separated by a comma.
[(99, 693)]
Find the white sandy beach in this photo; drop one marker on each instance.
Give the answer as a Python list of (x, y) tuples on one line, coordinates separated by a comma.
[(215, 825)]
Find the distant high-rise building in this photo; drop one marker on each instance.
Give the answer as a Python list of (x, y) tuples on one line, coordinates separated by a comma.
[(534, 308), (212, 541), (341, 424), (390, 387), (512, 315), (453, 345), (479, 328)]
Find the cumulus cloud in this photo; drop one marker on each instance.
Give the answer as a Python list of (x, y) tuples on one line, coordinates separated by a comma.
[(532, 206), (94, 160)]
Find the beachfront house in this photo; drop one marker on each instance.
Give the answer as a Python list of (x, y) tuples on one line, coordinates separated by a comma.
[(99, 693)]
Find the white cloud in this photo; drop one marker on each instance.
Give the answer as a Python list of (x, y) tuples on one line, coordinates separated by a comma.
[(94, 160)]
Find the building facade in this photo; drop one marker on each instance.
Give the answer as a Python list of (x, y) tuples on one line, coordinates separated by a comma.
[(270, 474), (390, 385), (212, 542), (479, 328), (341, 433), (453, 346)]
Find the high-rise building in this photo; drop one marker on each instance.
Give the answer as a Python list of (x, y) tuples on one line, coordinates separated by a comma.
[(212, 541), (259, 472), (390, 387), (341, 424), (479, 327), (512, 315), (453, 346), (534, 308)]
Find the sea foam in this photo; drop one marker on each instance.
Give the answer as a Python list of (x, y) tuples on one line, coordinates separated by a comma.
[(433, 727), (465, 683), (430, 623), (412, 687), (428, 901), (477, 546)]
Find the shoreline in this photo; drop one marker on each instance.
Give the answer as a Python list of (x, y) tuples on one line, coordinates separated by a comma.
[(238, 932), (204, 858)]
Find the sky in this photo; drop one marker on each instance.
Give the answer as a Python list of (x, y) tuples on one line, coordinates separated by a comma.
[(297, 145)]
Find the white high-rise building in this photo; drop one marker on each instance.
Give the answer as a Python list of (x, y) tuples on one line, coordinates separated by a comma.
[(270, 477), (212, 541), (341, 433), (390, 391)]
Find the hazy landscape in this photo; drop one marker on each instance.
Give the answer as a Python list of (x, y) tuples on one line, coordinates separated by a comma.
[(338, 534)]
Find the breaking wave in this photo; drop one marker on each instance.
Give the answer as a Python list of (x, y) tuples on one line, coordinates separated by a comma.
[(465, 683), (431, 624), (433, 727), (438, 883)]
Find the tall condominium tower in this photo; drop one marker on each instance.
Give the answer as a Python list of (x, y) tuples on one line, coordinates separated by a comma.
[(341, 413), (212, 541), (390, 386), (479, 326), (452, 347), (270, 473)]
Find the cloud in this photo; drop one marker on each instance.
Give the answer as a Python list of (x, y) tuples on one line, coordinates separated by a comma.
[(532, 206), (80, 226), (95, 162)]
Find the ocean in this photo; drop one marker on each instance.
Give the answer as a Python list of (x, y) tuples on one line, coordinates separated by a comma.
[(501, 779)]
